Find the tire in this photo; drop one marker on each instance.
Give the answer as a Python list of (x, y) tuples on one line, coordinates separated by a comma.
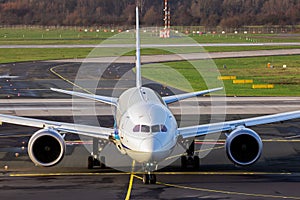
[(196, 162), (102, 162), (146, 179), (183, 162), (152, 178), (90, 162)]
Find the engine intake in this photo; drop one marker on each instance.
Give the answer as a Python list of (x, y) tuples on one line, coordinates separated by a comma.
[(46, 147), (243, 146)]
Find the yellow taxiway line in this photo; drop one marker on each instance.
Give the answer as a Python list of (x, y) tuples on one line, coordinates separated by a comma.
[(135, 175), (130, 181), (228, 192), (224, 191), (67, 80)]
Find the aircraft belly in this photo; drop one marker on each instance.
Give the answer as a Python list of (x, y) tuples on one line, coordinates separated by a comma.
[(145, 157)]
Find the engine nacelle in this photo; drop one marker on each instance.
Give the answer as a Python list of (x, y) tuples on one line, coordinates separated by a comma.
[(46, 147), (243, 146)]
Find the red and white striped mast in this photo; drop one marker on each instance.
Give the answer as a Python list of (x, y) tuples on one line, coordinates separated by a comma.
[(167, 19)]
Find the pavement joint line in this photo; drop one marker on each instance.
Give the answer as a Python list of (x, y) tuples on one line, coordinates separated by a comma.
[(135, 174), (66, 174)]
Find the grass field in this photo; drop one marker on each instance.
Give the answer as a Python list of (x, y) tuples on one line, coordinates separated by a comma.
[(287, 81), (10, 36), (36, 54), (21, 55), (19, 36), (245, 38)]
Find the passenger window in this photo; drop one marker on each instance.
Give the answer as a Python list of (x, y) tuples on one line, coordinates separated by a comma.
[(145, 128), (136, 128), (163, 128), (155, 128)]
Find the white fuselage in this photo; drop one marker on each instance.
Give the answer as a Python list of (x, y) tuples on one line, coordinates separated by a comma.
[(147, 129)]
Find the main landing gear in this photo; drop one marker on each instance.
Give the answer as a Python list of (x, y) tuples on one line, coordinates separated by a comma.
[(190, 160), (93, 161)]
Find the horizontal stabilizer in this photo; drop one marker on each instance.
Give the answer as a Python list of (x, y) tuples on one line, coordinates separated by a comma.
[(174, 98), (104, 99)]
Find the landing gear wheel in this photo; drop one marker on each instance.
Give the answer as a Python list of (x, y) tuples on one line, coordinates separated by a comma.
[(152, 179), (93, 162), (183, 162), (102, 162), (149, 179), (146, 179), (196, 162), (191, 162), (90, 162)]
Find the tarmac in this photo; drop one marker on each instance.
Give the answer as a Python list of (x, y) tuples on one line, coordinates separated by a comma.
[(275, 176), (186, 56)]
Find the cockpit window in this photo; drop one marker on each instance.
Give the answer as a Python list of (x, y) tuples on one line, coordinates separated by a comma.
[(136, 128), (155, 128), (163, 128), (145, 128)]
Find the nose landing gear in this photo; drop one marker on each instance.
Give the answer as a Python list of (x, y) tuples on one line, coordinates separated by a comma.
[(149, 178)]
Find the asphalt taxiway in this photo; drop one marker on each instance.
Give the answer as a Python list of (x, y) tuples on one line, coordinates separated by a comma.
[(82, 107), (275, 176), (186, 56)]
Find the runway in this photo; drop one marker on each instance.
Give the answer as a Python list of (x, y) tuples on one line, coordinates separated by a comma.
[(185, 56), (82, 107), (275, 176)]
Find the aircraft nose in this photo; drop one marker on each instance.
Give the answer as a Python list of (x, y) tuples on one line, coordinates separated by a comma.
[(150, 145)]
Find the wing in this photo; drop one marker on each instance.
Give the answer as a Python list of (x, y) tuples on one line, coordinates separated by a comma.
[(174, 98), (194, 131), (86, 130), (108, 100)]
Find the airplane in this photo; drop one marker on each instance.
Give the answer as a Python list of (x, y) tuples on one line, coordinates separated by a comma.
[(145, 129)]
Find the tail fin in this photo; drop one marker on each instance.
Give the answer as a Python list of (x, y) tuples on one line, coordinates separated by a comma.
[(138, 51)]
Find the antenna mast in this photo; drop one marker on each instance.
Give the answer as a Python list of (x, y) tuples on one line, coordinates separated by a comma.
[(167, 20)]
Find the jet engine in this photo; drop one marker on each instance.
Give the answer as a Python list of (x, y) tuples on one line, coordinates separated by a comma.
[(243, 146), (46, 147)]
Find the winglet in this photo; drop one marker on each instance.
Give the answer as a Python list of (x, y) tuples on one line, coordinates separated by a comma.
[(138, 51)]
